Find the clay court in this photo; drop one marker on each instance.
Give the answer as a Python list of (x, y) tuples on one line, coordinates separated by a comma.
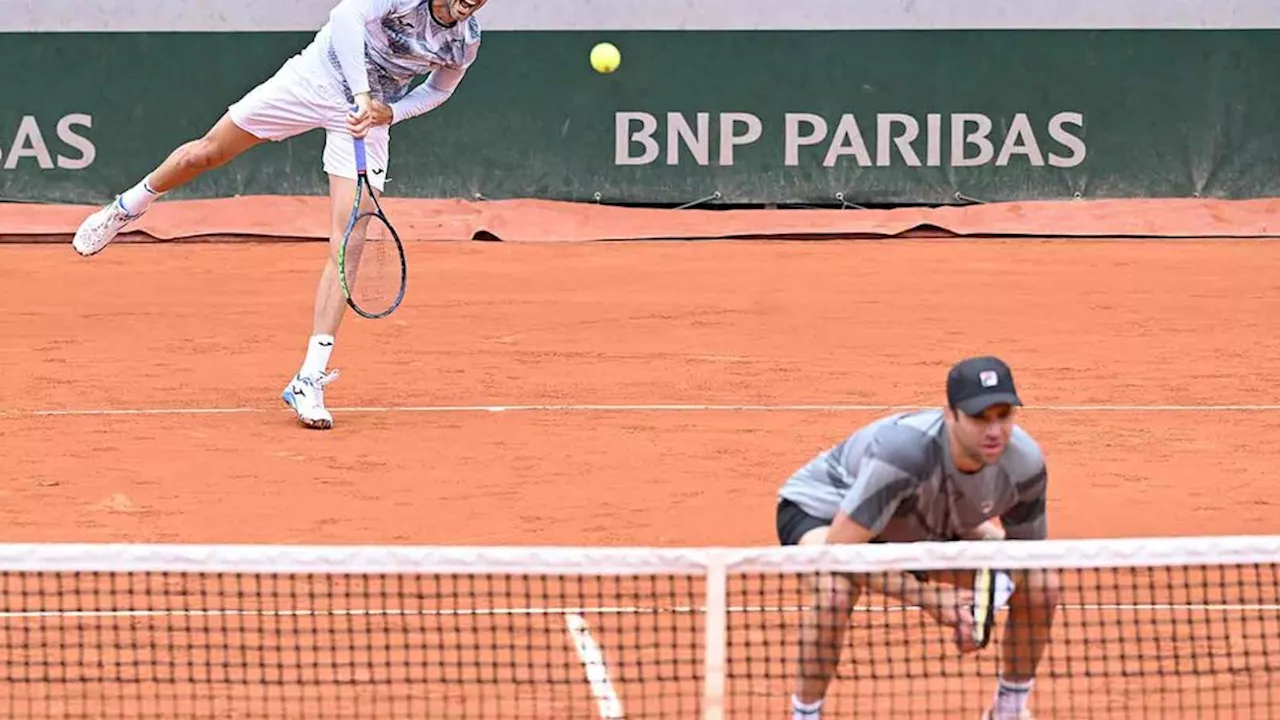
[(630, 393)]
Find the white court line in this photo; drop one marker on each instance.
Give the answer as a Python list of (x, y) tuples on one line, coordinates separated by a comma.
[(592, 657), (583, 611), (567, 408)]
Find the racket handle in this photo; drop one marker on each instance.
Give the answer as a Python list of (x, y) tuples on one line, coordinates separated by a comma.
[(360, 166), (359, 146)]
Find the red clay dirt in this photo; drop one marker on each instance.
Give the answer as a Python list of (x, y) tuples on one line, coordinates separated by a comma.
[(162, 327), (1150, 369)]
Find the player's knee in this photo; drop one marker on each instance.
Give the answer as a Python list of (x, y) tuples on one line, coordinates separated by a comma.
[(1042, 591), (203, 154), (834, 596)]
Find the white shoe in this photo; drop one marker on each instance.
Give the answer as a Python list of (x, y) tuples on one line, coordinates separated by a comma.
[(306, 396), (100, 228)]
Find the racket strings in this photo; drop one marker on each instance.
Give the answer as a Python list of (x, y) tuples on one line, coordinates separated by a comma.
[(372, 266)]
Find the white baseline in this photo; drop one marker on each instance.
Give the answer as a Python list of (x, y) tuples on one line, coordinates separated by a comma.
[(630, 408)]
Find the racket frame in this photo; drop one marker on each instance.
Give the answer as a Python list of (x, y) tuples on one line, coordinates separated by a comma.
[(362, 185), (984, 606)]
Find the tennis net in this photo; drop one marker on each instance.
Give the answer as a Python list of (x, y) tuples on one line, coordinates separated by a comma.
[(1159, 628)]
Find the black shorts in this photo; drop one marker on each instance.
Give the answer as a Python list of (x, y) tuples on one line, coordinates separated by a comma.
[(793, 523)]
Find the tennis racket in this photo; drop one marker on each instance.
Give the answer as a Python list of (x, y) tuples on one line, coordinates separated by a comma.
[(991, 591), (371, 261)]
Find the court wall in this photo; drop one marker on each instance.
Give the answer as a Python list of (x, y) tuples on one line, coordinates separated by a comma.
[(878, 102)]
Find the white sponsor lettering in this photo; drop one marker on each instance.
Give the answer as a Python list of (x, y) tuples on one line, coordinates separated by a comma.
[(1059, 133), (885, 140), (31, 144), (687, 141), (729, 137), (625, 138)]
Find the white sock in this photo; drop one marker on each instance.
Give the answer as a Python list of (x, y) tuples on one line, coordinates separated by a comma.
[(805, 711), (319, 347), (1011, 698), (138, 198)]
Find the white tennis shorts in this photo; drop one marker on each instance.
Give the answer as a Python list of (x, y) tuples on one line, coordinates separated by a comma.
[(295, 100)]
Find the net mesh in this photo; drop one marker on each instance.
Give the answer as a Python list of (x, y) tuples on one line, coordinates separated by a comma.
[(1141, 628)]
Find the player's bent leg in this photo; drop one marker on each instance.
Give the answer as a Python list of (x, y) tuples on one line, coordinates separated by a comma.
[(822, 634), (1029, 625), (282, 107), (826, 620), (1028, 631), (219, 146), (224, 142)]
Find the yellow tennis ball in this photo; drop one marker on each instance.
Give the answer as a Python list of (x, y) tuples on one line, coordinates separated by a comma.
[(605, 57)]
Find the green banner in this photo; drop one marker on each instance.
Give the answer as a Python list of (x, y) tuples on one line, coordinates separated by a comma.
[(915, 114)]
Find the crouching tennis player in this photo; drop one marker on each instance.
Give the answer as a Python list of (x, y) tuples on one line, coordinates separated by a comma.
[(933, 475), (367, 55)]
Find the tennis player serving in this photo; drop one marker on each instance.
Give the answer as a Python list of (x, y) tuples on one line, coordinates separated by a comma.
[(932, 475), (365, 58)]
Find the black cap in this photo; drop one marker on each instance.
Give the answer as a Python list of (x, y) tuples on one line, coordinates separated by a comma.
[(975, 384)]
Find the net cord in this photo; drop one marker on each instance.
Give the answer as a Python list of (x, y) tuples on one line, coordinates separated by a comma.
[(637, 561)]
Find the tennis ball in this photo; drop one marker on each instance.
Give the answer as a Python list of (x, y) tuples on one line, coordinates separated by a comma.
[(605, 57)]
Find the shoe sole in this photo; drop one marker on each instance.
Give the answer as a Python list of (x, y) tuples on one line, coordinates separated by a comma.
[(82, 253), (104, 246), (288, 398)]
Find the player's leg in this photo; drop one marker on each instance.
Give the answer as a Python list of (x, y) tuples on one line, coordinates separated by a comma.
[(822, 636), (824, 623), (1028, 631), (283, 106), (305, 391), (224, 141)]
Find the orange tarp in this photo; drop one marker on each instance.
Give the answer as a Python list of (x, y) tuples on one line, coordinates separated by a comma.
[(303, 218)]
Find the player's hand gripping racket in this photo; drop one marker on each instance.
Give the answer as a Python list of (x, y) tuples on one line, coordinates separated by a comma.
[(371, 261)]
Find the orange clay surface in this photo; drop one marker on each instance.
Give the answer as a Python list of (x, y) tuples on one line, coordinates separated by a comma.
[(1151, 370), (167, 327)]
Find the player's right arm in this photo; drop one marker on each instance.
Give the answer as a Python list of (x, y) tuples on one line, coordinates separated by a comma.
[(898, 463), (347, 23), (347, 27), (944, 604)]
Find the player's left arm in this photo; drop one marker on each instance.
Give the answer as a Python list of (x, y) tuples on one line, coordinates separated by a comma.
[(428, 96), (440, 85)]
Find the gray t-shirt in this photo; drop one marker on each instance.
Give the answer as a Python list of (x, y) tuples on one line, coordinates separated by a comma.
[(896, 477)]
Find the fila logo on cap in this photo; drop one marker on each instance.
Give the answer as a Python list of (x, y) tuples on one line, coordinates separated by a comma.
[(988, 378)]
